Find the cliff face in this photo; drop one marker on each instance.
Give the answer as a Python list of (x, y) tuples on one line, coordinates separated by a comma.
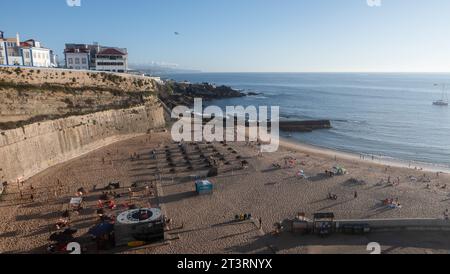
[(76, 79), (47, 118), (33, 148), (30, 95)]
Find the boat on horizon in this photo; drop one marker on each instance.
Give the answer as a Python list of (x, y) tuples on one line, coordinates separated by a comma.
[(444, 99)]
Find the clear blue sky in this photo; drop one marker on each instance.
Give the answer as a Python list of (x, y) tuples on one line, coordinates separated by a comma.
[(249, 35)]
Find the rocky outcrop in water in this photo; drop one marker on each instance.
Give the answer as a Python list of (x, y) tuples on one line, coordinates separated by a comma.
[(176, 93), (304, 126)]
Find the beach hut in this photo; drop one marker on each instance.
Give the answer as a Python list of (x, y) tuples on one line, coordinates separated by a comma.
[(204, 187), (145, 224)]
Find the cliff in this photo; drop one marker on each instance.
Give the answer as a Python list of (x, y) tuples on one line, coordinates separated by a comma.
[(51, 116), (33, 95)]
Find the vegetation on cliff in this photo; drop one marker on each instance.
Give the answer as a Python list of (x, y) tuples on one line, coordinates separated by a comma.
[(28, 95)]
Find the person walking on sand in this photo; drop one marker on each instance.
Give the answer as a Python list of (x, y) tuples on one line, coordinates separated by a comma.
[(356, 195), (260, 223)]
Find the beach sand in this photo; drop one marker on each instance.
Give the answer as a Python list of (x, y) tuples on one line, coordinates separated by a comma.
[(204, 224)]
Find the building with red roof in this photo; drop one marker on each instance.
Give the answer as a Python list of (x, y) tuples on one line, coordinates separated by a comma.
[(96, 57)]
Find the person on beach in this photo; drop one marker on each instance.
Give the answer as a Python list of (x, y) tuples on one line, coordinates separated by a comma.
[(260, 222), (356, 195)]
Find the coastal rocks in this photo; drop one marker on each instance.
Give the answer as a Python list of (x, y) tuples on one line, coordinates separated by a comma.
[(304, 126), (252, 93), (176, 94), (183, 94)]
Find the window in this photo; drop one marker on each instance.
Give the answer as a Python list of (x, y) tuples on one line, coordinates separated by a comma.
[(84, 61), (27, 55), (77, 61), (70, 61), (110, 63)]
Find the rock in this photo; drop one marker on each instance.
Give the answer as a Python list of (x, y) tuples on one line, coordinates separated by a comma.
[(251, 93), (176, 94)]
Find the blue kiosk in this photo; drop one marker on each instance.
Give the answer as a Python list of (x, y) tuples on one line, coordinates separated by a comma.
[(204, 187)]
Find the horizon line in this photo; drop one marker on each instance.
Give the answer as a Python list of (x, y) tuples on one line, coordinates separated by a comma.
[(324, 72)]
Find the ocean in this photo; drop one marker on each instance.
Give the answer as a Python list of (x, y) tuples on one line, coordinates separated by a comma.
[(387, 115)]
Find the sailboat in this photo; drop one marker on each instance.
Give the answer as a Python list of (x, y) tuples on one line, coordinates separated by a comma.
[(444, 99)]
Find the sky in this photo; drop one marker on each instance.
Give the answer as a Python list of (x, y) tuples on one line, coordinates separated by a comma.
[(248, 35)]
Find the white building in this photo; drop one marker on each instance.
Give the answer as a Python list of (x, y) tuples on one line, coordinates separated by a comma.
[(96, 57), (112, 59), (28, 53), (77, 59), (34, 55), (10, 53), (81, 56)]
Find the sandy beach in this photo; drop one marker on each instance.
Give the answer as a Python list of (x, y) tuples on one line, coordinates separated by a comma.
[(383, 161), (204, 224)]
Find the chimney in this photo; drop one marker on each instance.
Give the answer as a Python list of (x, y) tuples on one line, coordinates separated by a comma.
[(1, 34), (18, 39)]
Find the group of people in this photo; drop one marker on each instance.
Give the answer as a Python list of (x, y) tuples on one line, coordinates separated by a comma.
[(392, 203), (135, 156), (332, 196), (30, 195), (395, 182), (63, 221), (290, 162)]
